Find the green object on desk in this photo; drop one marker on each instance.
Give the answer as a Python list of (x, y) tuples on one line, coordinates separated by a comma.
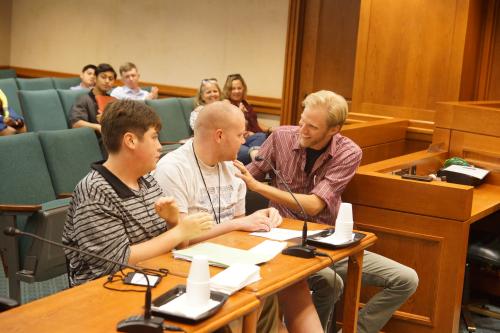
[(455, 161)]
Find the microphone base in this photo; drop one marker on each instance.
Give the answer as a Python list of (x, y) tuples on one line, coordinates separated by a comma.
[(300, 251), (138, 324)]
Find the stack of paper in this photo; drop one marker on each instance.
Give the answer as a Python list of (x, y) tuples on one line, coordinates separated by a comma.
[(224, 256), (234, 278)]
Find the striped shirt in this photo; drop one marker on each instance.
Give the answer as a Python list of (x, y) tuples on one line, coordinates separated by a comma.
[(106, 217), (328, 178)]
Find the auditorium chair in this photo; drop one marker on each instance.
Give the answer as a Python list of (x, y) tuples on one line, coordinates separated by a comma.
[(28, 202), (68, 98), (174, 129), (65, 82), (42, 110), (42, 83), (9, 88), (7, 73), (69, 154)]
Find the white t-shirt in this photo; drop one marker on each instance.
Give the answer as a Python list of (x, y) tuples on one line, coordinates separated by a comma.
[(178, 175)]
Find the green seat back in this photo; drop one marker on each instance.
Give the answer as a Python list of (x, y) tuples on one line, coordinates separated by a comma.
[(42, 110), (65, 82), (187, 105), (7, 73), (68, 98), (9, 88), (42, 83), (174, 125), (69, 154), (25, 177)]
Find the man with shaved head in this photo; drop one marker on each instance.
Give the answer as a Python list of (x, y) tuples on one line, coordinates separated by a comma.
[(200, 176)]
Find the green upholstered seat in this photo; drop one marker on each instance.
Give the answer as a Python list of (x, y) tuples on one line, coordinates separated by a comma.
[(174, 125), (7, 73), (26, 181), (65, 82), (42, 83), (68, 98), (42, 110), (69, 154), (187, 105), (9, 88)]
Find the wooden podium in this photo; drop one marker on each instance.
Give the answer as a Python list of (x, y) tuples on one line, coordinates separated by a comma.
[(426, 225)]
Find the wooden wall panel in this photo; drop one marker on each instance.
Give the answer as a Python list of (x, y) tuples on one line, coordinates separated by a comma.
[(407, 238), (409, 55)]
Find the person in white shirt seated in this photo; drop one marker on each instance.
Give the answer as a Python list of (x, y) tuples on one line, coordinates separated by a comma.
[(88, 78), (131, 90)]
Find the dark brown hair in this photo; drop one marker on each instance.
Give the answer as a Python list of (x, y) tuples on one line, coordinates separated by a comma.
[(125, 116)]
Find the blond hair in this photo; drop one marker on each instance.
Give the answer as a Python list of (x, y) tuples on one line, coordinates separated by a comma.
[(334, 104)]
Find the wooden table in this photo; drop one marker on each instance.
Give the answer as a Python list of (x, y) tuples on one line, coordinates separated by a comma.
[(92, 308), (283, 271)]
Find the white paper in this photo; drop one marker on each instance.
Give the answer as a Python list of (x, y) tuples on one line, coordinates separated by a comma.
[(268, 249), (467, 170), (281, 234), (335, 240), (139, 279), (234, 278), (179, 306)]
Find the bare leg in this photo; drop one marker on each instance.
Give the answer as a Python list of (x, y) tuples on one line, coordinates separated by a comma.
[(298, 309)]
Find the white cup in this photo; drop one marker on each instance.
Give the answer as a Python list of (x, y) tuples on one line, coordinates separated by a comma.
[(345, 213), (344, 223), (198, 282)]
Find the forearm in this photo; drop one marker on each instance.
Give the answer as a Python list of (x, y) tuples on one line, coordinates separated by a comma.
[(83, 123), (156, 246), (312, 204), (217, 230)]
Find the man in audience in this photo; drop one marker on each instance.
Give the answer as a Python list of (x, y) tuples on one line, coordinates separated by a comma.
[(201, 178), (87, 78), (317, 162), (131, 90), (118, 210), (85, 111)]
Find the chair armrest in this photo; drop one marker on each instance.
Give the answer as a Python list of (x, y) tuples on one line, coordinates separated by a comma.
[(7, 303), (170, 143), (64, 195), (19, 208)]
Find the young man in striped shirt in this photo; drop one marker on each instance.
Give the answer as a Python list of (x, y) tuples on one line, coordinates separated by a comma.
[(317, 162), (118, 210)]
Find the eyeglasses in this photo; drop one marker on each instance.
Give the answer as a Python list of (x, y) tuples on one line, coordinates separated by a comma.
[(209, 80)]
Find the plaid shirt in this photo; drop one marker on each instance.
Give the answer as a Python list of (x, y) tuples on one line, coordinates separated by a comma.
[(328, 178)]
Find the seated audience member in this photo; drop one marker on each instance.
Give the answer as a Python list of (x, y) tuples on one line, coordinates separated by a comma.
[(318, 162), (131, 90), (209, 92), (10, 122), (85, 112), (87, 78), (235, 91), (201, 178), (118, 210)]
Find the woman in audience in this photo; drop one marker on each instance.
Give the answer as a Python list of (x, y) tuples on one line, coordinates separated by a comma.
[(10, 122), (235, 91), (209, 92)]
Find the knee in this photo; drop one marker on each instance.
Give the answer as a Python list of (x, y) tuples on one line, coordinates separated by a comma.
[(407, 280), (326, 284)]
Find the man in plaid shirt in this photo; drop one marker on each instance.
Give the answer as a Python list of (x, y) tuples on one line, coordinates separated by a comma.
[(317, 162)]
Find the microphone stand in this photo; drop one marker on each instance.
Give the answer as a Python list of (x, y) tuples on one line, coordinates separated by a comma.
[(303, 250), (145, 323)]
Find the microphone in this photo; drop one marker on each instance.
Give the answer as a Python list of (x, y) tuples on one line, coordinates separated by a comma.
[(146, 323), (303, 250)]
